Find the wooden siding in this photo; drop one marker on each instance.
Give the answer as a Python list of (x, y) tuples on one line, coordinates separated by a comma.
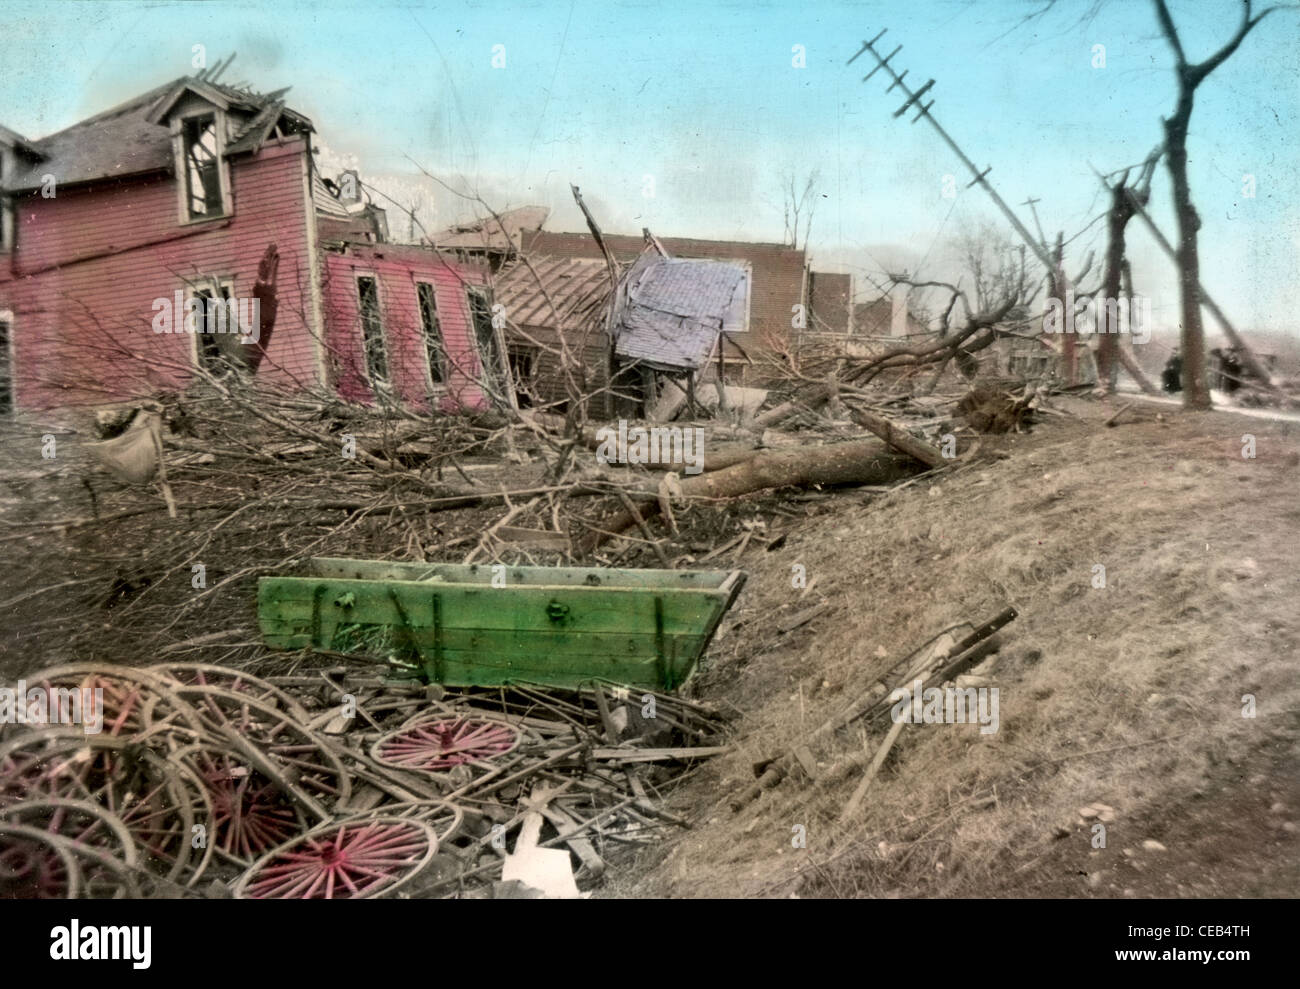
[(397, 270), (91, 261)]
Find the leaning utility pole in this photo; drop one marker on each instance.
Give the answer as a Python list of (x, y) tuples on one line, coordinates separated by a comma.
[(923, 110)]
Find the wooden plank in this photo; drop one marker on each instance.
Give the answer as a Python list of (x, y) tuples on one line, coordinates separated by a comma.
[(582, 847), (625, 755), (535, 609), (370, 639), (476, 573)]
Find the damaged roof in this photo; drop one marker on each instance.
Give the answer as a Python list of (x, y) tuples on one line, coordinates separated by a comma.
[(578, 287), (491, 235), (130, 139), (675, 311)]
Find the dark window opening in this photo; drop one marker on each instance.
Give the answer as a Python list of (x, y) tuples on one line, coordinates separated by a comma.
[(432, 332), (485, 336), (217, 330), (202, 167), (6, 379), (523, 361), (372, 330)]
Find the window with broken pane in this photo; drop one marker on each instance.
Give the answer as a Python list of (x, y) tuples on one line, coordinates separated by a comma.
[(6, 380), (432, 331), (202, 167), (372, 330), (490, 364), (216, 329)]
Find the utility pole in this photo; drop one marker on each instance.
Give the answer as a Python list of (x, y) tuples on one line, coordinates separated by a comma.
[(923, 110)]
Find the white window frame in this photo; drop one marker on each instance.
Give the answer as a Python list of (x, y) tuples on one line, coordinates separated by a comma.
[(192, 289), (436, 389), (386, 386), (749, 293), (6, 204), (220, 125)]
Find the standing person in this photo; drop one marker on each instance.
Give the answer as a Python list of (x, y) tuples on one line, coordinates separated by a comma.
[(1173, 375), (1231, 373)]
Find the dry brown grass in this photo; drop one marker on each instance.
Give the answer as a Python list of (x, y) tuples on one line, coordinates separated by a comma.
[(1091, 680)]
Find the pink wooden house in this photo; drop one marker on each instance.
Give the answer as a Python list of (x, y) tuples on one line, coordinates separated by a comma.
[(126, 239)]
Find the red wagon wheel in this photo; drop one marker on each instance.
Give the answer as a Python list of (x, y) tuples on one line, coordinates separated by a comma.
[(276, 744), (353, 860), (159, 801), (251, 814), (444, 817), (135, 702), (236, 681), (34, 866), (439, 745), (101, 843)]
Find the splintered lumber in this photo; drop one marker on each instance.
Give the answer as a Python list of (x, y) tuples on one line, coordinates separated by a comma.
[(899, 438), (970, 650), (582, 847), (628, 755), (802, 618), (855, 801), (1122, 409), (819, 397)]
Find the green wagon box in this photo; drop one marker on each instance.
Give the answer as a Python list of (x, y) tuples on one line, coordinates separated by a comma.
[(480, 625)]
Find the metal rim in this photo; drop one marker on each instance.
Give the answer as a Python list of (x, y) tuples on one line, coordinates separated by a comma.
[(236, 681), (276, 744), (158, 800), (34, 865), (351, 860), (137, 703), (441, 744)]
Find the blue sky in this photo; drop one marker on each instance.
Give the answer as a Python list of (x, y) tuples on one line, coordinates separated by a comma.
[(700, 104)]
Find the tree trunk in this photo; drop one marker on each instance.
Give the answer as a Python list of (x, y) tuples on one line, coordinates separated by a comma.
[(1196, 392), (856, 462), (1108, 339)]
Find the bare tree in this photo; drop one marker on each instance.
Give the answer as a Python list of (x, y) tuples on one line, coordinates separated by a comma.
[(800, 204), (991, 259), (413, 206), (1196, 393)]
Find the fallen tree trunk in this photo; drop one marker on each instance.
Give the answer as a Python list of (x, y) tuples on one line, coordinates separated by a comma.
[(899, 438), (857, 462), (819, 397)]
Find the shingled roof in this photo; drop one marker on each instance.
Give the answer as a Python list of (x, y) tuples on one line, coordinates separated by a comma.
[(126, 140)]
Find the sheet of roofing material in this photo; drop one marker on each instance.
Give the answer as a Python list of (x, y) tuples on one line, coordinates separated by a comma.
[(675, 312)]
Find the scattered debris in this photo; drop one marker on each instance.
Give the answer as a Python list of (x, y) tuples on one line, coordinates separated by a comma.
[(206, 777)]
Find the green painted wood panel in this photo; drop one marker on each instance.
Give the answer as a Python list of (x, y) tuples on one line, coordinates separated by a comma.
[(475, 573), (643, 628)]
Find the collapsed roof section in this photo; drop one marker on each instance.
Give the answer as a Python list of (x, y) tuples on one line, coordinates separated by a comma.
[(571, 296), (671, 312), (500, 234)]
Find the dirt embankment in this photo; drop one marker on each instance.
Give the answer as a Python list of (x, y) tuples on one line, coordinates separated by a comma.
[(1132, 696)]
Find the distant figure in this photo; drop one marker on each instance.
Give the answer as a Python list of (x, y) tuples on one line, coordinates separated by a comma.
[(1173, 375), (1230, 370)]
